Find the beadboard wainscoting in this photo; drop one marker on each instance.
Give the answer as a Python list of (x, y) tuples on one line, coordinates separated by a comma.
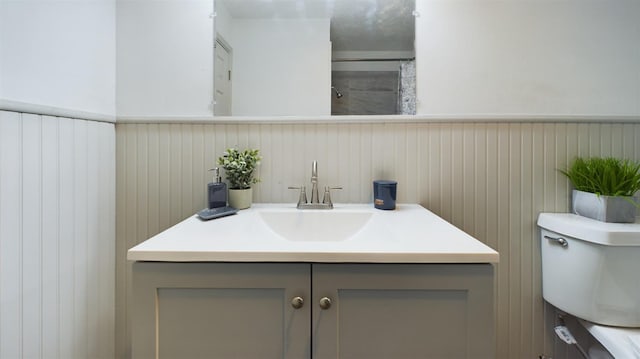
[(489, 179), (57, 237)]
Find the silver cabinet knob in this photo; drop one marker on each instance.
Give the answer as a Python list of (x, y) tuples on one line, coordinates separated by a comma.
[(297, 302), (325, 303)]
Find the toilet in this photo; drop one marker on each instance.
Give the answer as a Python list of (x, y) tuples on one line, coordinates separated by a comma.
[(591, 270)]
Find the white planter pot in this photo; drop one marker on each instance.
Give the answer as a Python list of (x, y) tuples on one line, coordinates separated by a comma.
[(604, 208), (240, 198)]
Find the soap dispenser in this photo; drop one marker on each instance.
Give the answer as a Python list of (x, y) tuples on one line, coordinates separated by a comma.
[(217, 191)]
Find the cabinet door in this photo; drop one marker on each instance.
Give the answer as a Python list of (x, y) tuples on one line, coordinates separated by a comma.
[(403, 311), (220, 310)]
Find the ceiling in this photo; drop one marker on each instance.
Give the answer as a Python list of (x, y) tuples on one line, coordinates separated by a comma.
[(356, 25)]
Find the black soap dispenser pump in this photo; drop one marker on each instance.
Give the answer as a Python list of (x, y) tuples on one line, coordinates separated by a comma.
[(217, 191)]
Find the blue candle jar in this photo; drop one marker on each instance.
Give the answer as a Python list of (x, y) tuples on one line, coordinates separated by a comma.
[(384, 194)]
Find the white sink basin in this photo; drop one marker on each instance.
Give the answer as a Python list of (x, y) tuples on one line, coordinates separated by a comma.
[(315, 225)]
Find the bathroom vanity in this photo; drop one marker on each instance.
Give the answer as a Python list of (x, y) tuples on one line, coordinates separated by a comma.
[(364, 283)]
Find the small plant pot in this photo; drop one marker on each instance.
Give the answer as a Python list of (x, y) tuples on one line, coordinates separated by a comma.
[(240, 198), (604, 208)]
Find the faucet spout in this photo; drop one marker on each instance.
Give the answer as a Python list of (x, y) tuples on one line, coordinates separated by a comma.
[(315, 198)]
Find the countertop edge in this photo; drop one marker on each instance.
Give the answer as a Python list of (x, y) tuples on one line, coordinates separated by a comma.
[(310, 257)]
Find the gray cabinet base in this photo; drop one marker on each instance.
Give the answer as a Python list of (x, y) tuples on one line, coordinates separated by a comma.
[(244, 310)]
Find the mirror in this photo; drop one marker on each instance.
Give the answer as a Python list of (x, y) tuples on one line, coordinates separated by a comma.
[(314, 57)]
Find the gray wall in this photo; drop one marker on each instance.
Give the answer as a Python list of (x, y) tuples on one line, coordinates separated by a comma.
[(489, 179)]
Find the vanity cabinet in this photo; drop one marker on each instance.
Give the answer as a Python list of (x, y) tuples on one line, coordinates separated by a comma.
[(359, 310)]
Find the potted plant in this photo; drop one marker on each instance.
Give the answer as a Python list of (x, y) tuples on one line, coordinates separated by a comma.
[(604, 188), (239, 167)]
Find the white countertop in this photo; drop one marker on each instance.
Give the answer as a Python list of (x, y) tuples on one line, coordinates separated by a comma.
[(409, 234)]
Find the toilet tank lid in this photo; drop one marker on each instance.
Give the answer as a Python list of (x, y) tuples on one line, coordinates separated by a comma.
[(591, 230)]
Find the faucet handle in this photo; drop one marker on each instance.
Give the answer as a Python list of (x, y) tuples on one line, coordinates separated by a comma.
[(327, 195), (303, 194)]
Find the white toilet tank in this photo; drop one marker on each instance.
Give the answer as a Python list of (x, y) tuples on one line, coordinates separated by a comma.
[(591, 269)]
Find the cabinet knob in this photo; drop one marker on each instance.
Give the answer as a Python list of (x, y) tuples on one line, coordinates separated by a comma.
[(325, 303), (297, 302)]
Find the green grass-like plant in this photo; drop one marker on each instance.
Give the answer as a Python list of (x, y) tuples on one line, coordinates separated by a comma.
[(239, 166), (605, 176)]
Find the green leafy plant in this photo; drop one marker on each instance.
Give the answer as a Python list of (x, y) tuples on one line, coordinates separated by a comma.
[(604, 176), (239, 166)]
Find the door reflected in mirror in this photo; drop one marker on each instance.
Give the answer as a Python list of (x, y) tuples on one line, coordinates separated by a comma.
[(222, 77), (314, 57)]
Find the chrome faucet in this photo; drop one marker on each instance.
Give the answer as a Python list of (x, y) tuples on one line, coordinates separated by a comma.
[(315, 198), (314, 182)]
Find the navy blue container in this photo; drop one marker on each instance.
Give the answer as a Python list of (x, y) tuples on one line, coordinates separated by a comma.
[(384, 194)]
